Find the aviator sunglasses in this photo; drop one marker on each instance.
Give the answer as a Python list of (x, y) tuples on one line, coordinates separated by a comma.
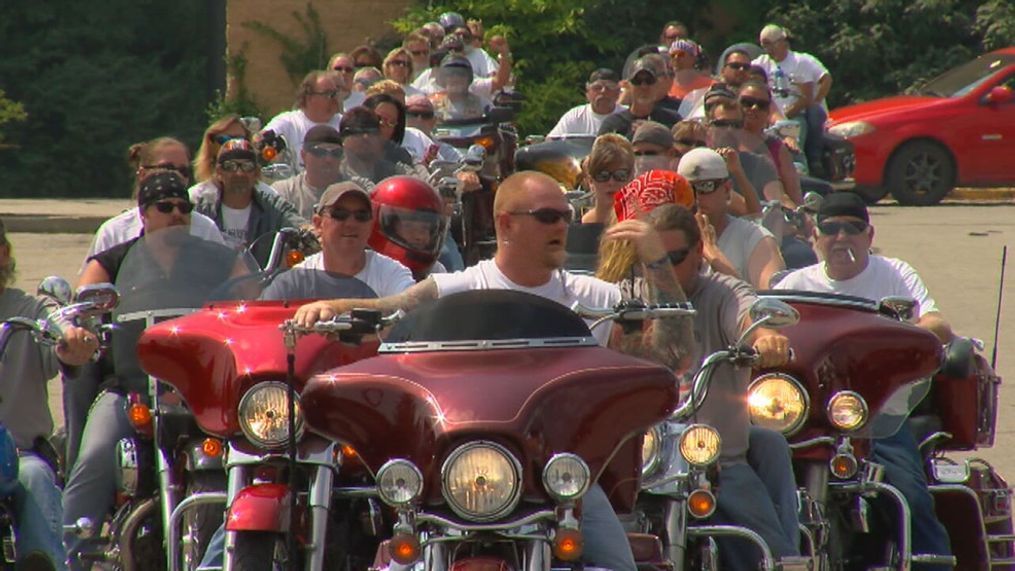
[(832, 228), (321, 152), (547, 215), (341, 214)]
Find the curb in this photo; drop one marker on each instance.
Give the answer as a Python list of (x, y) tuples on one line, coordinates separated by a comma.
[(46, 224), (986, 194)]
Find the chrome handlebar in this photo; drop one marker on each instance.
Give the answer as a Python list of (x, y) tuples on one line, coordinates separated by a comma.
[(632, 311)]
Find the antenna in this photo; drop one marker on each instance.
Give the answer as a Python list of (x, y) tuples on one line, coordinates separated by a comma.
[(997, 318)]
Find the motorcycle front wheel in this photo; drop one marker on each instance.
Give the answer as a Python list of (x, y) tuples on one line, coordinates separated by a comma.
[(200, 523), (261, 551)]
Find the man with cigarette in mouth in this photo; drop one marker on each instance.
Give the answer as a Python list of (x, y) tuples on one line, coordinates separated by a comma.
[(843, 241)]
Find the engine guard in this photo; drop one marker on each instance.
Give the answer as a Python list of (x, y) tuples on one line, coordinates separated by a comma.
[(262, 507)]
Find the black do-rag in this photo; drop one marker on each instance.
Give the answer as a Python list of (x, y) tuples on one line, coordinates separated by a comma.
[(161, 186)]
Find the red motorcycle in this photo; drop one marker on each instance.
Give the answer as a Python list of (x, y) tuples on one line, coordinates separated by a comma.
[(859, 373), (484, 419)]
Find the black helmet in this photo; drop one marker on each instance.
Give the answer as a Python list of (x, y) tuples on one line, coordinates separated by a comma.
[(450, 21)]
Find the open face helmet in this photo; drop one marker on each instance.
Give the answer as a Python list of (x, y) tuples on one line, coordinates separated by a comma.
[(451, 20), (409, 223)]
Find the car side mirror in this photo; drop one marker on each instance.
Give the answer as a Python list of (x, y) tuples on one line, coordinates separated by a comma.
[(999, 95)]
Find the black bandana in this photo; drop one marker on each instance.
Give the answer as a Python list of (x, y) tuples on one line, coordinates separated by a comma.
[(161, 186)]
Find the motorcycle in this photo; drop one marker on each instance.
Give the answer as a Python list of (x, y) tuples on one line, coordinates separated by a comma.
[(483, 466), (227, 361), (493, 131), (859, 372), (471, 224), (679, 471)]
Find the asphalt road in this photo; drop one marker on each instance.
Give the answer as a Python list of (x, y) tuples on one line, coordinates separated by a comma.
[(956, 249)]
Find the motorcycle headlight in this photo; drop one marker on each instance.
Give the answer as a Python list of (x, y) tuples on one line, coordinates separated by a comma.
[(847, 411), (264, 415), (566, 477), (481, 481), (852, 129), (650, 446), (700, 444), (777, 402), (399, 482)]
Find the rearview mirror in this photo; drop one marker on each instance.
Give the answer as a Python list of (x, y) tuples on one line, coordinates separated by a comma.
[(102, 296), (999, 95), (251, 123), (55, 288), (772, 312), (812, 202), (901, 308), (500, 114)]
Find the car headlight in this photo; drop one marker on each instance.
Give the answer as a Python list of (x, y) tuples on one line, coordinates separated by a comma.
[(481, 481), (847, 410), (264, 414), (852, 129), (650, 451), (777, 402), (566, 477), (399, 482), (700, 444)]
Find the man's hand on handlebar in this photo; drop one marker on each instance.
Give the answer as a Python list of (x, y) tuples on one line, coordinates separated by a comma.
[(77, 346), (468, 181), (322, 310), (772, 348)]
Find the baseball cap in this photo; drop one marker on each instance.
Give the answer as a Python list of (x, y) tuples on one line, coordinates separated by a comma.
[(843, 204), (719, 90), (642, 65), (686, 46), (604, 74), (322, 134), (234, 149), (702, 164), (772, 33), (652, 132), (337, 191)]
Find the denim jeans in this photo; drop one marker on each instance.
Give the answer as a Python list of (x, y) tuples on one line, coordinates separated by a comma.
[(605, 539), (904, 470), (91, 484), (770, 457), (78, 393), (814, 124), (39, 513)]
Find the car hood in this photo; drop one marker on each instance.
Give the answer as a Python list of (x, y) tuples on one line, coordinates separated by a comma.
[(877, 107)]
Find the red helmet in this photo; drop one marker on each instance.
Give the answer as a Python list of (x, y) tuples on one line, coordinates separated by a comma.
[(409, 222)]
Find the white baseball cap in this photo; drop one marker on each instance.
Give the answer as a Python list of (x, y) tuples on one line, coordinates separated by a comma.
[(702, 164)]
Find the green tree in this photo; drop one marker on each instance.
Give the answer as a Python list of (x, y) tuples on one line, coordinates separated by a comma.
[(10, 111), (299, 56)]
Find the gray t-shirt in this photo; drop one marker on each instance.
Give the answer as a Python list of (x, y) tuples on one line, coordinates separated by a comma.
[(737, 242), (760, 170), (298, 192), (25, 368)]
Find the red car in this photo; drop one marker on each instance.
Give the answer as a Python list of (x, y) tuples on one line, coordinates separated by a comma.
[(957, 130)]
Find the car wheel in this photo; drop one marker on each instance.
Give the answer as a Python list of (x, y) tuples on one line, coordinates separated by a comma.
[(920, 174), (870, 194)]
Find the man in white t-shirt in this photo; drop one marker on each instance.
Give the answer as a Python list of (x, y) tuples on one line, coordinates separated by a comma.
[(531, 218), (318, 101), (844, 238), (602, 92), (732, 246)]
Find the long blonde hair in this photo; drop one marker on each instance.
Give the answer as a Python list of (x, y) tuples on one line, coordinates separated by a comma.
[(616, 258), (204, 162)]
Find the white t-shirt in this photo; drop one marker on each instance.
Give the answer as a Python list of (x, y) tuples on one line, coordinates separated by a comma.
[(355, 99), (293, 125), (795, 69), (580, 120), (426, 83), (127, 225), (564, 288), (482, 64), (234, 226), (881, 278), (209, 187), (386, 276), (417, 143)]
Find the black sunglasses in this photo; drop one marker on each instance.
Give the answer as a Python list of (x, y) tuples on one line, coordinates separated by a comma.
[(646, 81), (619, 175), (166, 206), (751, 103), (647, 153), (706, 186), (237, 166), (738, 66), (341, 214), (320, 152), (832, 228), (420, 114), (547, 215), (730, 123), (399, 62), (678, 256), (344, 69), (693, 143), (419, 53)]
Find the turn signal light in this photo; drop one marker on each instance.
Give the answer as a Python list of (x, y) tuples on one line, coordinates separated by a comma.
[(488, 143), (348, 451), (701, 503), (404, 548), (568, 544), (293, 257), (269, 153), (211, 447), (843, 466), (140, 417)]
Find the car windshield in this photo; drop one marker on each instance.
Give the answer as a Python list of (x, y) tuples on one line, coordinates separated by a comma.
[(959, 81)]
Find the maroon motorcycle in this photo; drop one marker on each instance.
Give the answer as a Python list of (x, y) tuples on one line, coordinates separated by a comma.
[(484, 419)]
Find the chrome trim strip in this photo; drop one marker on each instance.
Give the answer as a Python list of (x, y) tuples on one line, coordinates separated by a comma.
[(486, 344), (836, 301), (512, 524)]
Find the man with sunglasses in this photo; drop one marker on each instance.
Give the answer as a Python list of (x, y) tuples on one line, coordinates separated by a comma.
[(532, 217), (646, 96), (746, 154), (241, 209), (844, 238), (732, 246), (318, 102), (653, 148), (364, 161), (419, 114), (322, 155), (602, 92)]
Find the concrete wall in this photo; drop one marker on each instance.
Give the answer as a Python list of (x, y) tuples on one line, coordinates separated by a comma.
[(348, 23)]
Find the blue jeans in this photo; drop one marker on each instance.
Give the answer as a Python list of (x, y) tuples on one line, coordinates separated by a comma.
[(450, 255), (770, 457), (605, 539), (79, 391), (904, 470), (815, 117), (91, 485), (39, 513), (739, 503)]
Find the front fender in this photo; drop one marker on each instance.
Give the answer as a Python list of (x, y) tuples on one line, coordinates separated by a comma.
[(262, 507)]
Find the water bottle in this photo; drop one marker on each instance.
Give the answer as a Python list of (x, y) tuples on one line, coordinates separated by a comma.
[(781, 83)]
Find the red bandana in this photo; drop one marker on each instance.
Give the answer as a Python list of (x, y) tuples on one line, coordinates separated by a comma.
[(650, 190)]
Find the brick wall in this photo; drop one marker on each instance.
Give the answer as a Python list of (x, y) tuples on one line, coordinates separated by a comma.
[(347, 23)]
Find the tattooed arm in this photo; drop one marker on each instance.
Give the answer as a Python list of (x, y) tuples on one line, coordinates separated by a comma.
[(667, 341), (310, 313)]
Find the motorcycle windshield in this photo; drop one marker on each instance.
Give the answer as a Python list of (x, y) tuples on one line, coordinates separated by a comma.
[(897, 408), (308, 283), (488, 315)]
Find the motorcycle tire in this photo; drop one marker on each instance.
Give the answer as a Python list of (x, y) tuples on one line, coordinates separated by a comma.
[(200, 523), (261, 551), (920, 173)]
